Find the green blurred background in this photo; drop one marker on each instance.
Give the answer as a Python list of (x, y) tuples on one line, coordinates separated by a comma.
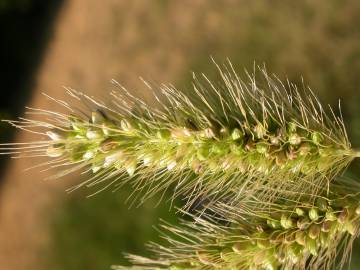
[(318, 41)]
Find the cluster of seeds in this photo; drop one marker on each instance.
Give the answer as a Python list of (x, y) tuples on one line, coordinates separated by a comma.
[(98, 142), (257, 145), (291, 240), (182, 148), (127, 145), (305, 237), (216, 140)]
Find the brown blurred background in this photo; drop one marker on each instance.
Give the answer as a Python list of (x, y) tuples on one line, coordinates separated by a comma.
[(85, 43)]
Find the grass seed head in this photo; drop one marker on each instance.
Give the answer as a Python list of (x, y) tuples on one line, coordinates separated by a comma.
[(240, 134), (240, 238)]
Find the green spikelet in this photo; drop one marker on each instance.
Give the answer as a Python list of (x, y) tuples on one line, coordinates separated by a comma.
[(288, 235), (215, 139)]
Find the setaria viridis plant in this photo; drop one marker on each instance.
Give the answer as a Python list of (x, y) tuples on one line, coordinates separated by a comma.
[(262, 156), (217, 140), (287, 235)]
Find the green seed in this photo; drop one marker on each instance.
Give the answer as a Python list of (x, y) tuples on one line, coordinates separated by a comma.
[(317, 138), (294, 139), (291, 127), (313, 214), (322, 204), (330, 215), (220, 149), (286, 222), (300, 212), (262, 148), (236, 134)]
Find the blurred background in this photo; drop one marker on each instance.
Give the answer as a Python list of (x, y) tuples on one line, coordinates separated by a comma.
[(46, 45)]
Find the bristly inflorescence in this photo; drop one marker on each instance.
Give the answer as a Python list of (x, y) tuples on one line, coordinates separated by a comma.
[(261, 157), (288, 235), (218, 138)]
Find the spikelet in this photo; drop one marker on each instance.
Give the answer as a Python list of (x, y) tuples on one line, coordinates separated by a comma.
[(287, 235), (212, 141)]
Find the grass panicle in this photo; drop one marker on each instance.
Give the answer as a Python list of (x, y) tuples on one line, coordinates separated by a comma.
[(218, 138), (287, 235)]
